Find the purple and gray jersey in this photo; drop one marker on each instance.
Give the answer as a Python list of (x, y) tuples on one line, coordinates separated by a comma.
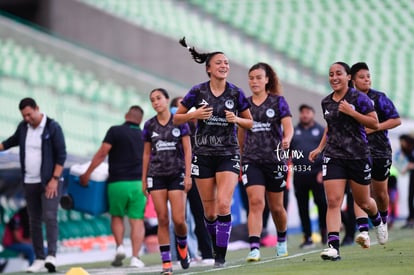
[(379, 144), (215, 136), (262, 143), (346, 138), (167, 155)]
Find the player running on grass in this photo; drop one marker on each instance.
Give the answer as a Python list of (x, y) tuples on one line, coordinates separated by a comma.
[(264, 164), (346, 154), (166, 174), (380, 149)]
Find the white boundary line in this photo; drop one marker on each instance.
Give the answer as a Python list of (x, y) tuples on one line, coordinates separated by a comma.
[(257, 263)]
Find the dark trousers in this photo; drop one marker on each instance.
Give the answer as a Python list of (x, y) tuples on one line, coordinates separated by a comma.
[(42, 209), (411, 197), (303, 184), (203, 237)]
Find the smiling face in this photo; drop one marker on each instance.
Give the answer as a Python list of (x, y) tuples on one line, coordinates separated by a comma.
[(362, 80), (258, 81), (32, 116), (218, 67), (159, 101), (338, 78)]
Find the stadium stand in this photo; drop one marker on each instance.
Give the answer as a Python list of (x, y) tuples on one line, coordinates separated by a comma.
[(172, 18), (306, 32), (87, 92), (82, 102)]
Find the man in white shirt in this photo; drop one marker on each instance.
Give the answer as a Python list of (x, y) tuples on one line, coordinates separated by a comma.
[(42, 156)]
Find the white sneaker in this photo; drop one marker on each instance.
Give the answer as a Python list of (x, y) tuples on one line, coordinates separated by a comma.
[(135, 262), (382, 233), (363, 239), (50, 264), (330, 254), (253, 256), (119, 256), (281, 249), (207, 261), (37, 266)]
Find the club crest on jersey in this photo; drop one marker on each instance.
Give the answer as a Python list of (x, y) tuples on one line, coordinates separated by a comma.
[(176, 132), (270, 113), (315, 132), (229, 104)]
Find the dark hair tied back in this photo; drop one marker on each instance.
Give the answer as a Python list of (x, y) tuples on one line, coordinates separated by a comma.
[(198, 57)]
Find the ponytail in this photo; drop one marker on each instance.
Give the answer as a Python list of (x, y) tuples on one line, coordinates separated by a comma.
[(200, 58)]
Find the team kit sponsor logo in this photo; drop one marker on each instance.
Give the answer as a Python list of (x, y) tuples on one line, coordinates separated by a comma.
[(162, 145)]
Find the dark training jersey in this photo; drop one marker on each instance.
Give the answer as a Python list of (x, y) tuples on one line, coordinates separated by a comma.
[(125, 156), (215, 136), (379, 144), (303, 142), (167, 155), (262, 143), (346, 137)]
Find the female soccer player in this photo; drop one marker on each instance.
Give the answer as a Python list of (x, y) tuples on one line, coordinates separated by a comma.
[(166, 174), (346, 153), (264, 163), (380, 150), (220, 106)]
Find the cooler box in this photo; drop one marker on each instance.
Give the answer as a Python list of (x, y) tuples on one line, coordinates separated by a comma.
[(91, 199)]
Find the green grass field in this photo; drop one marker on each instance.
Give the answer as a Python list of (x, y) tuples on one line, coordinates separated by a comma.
[(396, 257)]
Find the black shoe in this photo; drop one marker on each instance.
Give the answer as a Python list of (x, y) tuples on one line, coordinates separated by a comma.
[(3, 265), (307, 244), (408, 225), (347, 241), (183, 257), (218, 263)]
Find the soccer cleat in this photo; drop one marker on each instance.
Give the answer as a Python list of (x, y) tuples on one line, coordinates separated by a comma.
[(382, 233), (183, 257), (281, 249), (37, 266), (253, 256), (135, 262), (167, 268), (330, 253), (119, 256), (50, 264), (363, 239)]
